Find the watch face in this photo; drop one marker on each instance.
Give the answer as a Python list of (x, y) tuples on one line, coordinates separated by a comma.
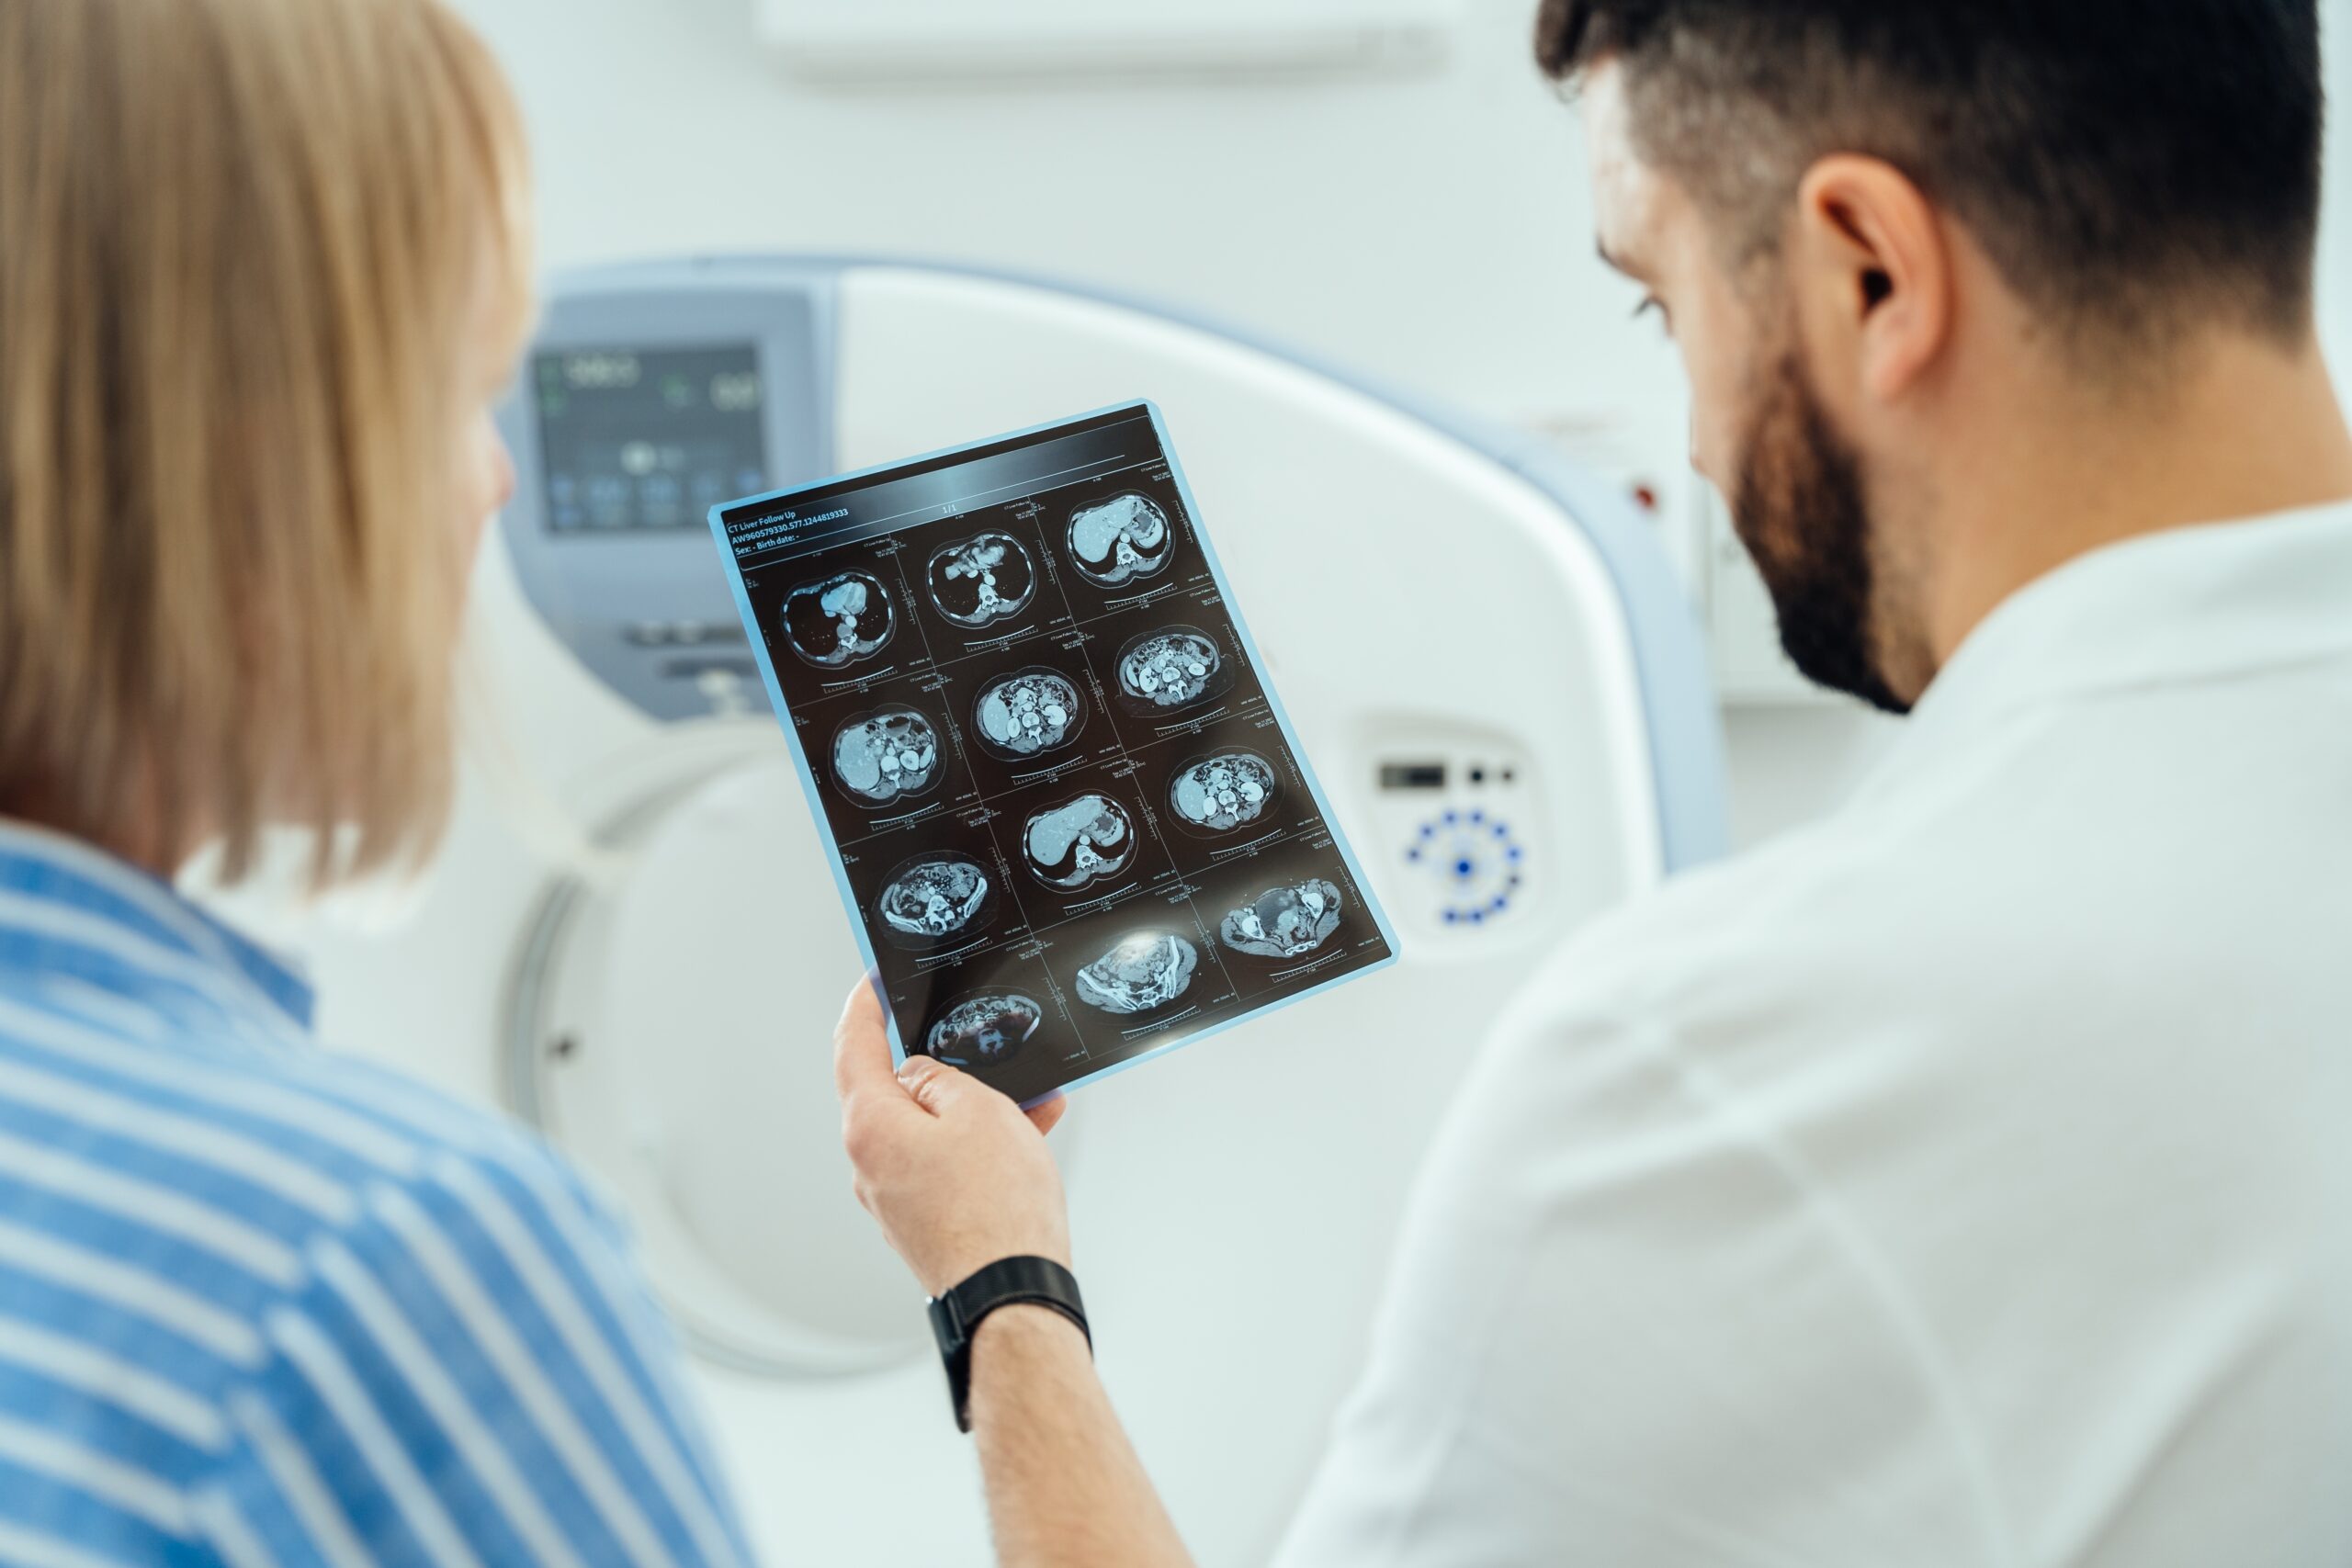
[(943, 1326), (955, 1350)]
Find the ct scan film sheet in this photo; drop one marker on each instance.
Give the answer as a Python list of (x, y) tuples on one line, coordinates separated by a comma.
[(1072, 824)]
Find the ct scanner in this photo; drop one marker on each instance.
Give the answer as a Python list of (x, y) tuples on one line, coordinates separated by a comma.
[(1479, 645)]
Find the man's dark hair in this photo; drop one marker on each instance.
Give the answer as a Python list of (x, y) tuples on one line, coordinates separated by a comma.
[(2127, 164)]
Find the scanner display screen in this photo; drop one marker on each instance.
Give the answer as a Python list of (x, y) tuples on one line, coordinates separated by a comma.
[(1069, 819), (636, 439)]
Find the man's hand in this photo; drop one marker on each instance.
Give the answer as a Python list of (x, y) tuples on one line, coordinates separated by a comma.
[(959, 1178), (957, 1175)]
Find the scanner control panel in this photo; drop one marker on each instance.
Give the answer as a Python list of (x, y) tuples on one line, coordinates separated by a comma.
[(1461, 832)]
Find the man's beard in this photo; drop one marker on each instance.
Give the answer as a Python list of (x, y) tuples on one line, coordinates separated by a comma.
[(1801, 510)]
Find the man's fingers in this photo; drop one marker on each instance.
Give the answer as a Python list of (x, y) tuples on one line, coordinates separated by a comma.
[(861, 1047), (941, 1089)]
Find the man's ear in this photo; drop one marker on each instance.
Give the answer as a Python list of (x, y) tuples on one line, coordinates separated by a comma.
[(1875, 269)]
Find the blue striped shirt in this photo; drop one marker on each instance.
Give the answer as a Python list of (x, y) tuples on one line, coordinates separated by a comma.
[(261, 1304)]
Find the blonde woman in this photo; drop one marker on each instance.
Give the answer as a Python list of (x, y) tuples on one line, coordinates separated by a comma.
[(264, 269)]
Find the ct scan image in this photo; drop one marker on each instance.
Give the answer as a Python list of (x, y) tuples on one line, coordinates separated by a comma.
[(1168, 670), (1088, 839), (1225, 792), (1147, 970), (836, 621), (978, 581), (984, 1030), (879, 757), (1290, 919), (937, 898), (1073, 826), (1121, 541), (1030, 712)]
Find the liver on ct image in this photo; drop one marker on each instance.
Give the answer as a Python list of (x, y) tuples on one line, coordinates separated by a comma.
[(1223, 793), (1122, 540), (880, 756), (1028, 713), (1073, 845)]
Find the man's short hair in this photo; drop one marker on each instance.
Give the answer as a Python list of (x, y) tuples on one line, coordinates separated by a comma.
[(2127, 164)]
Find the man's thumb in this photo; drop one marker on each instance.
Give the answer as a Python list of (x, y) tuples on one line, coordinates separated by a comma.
[(934, 1085)]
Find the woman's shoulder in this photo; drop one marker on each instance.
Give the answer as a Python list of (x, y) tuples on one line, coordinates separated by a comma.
[(264, 1134), (400, 1140), (288, 1246)]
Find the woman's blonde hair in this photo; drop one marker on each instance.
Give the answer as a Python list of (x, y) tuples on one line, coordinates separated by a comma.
[(245, 246)]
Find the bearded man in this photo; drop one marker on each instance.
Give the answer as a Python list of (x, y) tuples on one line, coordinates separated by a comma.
[(1966, 1180)]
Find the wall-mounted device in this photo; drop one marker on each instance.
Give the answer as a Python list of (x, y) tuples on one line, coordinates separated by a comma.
[(881, 41), (637, 415), (1462, 829)]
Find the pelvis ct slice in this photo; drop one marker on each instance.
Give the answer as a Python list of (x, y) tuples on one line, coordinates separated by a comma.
[(1289, 921), (984, 1028), (1148, 970)]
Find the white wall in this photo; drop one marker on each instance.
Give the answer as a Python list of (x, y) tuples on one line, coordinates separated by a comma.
[(1433, 231)]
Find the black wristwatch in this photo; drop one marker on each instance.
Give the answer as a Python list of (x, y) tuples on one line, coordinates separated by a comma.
[(956, 1316)]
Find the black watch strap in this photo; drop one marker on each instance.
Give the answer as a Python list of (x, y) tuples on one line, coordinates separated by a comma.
[(957, 1315)]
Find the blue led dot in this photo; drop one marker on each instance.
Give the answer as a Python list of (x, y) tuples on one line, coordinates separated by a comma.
[(1451, 817), (1516, 852), (1477, 916), (1464, 868), (1414, 853), (1501, 832), (1501, 904), (1428, 831), (1478, 816), (1450, 917)]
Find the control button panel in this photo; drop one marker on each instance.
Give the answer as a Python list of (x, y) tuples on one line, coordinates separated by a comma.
[(1477, 862), (1463, 824), (680, 633)]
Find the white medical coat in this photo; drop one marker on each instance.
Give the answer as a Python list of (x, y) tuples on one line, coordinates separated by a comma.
[(1965, 1180)]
